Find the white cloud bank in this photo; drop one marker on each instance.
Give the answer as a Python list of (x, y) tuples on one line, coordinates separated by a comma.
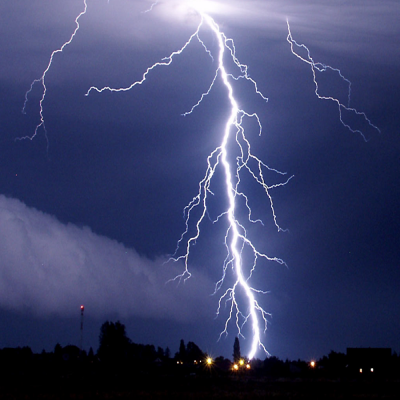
[(49, 267)]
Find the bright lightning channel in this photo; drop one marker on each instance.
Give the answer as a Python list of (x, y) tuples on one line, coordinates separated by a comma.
[(236, 237), (42, 81), (236, 240)]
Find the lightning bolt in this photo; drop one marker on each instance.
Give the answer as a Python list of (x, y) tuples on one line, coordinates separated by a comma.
[(320, 67), (236, 239), (151, 8), (42, 81), (234, 157)]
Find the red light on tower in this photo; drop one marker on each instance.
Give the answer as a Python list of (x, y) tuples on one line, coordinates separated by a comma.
[(82, 309)]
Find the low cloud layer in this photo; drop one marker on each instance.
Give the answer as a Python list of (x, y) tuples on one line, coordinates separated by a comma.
[(48, 267)]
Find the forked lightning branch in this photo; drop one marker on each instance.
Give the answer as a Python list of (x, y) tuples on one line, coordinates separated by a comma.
[(234, 157), (236, 239)]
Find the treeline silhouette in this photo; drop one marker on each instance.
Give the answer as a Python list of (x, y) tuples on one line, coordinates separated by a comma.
[(119, 362)]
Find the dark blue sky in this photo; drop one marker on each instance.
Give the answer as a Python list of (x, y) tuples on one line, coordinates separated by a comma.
[(92, 219)]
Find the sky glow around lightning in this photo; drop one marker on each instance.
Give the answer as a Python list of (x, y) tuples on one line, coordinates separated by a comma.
[(234, 157)]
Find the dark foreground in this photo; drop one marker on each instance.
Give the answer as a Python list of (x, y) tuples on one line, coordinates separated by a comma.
[(192, 387)]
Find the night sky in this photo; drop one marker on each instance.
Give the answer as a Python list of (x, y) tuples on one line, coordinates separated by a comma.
[(90, 215)]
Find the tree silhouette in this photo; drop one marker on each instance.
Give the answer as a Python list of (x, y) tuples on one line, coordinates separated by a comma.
[(114, 344), (160, 353), (193, 352), (181, 355), (167, 353), (91, 356), (236, 350)]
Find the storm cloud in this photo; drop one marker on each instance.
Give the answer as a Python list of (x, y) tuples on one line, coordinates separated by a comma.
[(49, 267)]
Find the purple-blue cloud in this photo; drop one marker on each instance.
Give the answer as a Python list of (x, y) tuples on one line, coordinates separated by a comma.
[(49, 267)]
